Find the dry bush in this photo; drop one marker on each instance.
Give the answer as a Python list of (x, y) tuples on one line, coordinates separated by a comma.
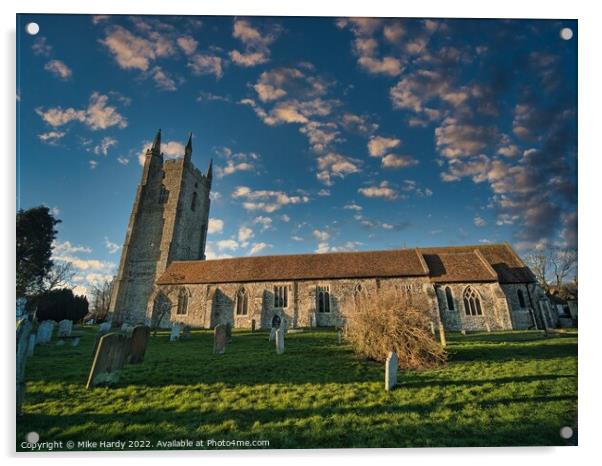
[(387, 322)]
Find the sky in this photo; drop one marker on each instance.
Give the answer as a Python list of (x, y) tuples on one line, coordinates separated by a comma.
[(326, 134)]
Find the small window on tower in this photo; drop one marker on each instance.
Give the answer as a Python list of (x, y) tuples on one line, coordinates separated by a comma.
[(193, 205)]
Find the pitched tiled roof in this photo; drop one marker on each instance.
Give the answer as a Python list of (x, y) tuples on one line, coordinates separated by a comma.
[(444, 264), (393, 263), (502, 258), (459, 267)]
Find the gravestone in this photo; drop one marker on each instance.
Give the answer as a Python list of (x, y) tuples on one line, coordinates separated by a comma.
[(442, 335), (253, 324), (65, 328), (463, 332), (75, 341), (45, 330), (111, 356), (175, 332), (105, 327), (138, 343), (186, 331), (391, 371), (339, 337), (229, 332), (488, 328), (20, 307), (284, 325), (272, 334), (312, 320), (23, 330), (31, 344), (101, 333), (432, 325), (219, 339), (280, 340)]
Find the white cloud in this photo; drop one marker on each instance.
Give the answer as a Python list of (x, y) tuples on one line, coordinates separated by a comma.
[(256, 44), (479, 221), (103, 147), (187, 44), (378, 145), (215, 226), (285, 218), (336, 165), (244, 235), (321, 235), (66, 247), (322, 248), (267, 201), (41, 47), (52, 137), (170, 150), (59, 69), (398, 161), (93, 164), (258, 247), (111, 247), (162, 79), (201, 64), (98, 114), (353, 206), (227, 244), (383, 190), (265, 222), (123, 160)]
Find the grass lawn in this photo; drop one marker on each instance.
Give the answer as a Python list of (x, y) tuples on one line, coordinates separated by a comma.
[(512, 388)]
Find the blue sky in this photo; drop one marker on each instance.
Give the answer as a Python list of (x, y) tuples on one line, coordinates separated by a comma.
[(327, 134)]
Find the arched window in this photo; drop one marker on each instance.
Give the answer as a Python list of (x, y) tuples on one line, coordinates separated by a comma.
[(472, 302), (242, 302), (193, 204), (182, 303), (521, 299), (449, 298), (323, 299)]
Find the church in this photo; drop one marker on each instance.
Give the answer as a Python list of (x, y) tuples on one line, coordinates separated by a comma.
[(164, 277)]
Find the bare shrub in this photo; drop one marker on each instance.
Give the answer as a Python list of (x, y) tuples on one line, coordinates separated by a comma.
[(389, 322)]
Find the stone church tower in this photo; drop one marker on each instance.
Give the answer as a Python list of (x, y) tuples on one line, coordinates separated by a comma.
[(168, 222)]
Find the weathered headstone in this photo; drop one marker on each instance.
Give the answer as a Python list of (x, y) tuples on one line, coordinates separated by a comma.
[(20, 307), (105, 327), (45, 330), (65, 328), (391, 371), (280, 340), (219, 339), (442, 335), (253, 324), (463, 332), (101, 333), (23, 330), (488, 328), (432, 325), (75, 341), (284, 325), (31, 344), (111, 356), (229, 332), (272, 334), (138, 343), (175, 332)]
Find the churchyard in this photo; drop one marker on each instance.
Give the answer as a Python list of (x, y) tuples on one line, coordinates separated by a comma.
[(498, 389)]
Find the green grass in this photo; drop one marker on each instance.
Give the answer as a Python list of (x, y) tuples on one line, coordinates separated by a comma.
[(514, 388)]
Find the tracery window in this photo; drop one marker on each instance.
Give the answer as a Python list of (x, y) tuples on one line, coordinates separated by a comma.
[(472, 302)]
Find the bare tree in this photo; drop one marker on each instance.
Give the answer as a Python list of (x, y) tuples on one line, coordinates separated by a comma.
[(553, 265), (101, 299), (164, 302)]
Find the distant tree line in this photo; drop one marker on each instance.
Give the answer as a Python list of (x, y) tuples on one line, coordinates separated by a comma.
[(39, 279)]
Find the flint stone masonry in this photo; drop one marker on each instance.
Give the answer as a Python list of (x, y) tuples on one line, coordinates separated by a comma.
[(65, 328), (45, 330), (219, 339), (139, 343), (111, 356), (280, 340), (391, 371), (23, 330)]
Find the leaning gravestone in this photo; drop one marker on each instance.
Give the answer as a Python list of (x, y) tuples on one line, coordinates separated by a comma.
[(101, 333), (65, 328), (253, 324), (31, 344), (280, 340), (105, 327), (23, 330), (175, 332), (111, 356), (45, 332), (219, 339), (272, 334), (229, 332), (391, 371), (432, 325), (138, 343)]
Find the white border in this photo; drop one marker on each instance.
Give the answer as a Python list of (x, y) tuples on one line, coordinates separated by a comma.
[(589, 223)]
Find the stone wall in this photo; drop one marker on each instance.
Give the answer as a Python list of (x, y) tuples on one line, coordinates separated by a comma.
[(493, 304)]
